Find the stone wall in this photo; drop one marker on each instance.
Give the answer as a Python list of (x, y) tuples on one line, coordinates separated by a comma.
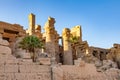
[(20, 69), (100, 53), (11, 31), (83, 72)]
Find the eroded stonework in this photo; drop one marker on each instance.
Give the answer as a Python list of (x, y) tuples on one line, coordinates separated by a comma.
[(11, 31)]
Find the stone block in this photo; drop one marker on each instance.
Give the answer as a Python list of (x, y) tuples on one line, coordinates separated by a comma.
[(26, 55), (11, 68), (25, 62), (4, 42), (23, 68), (21, 76), (2, 76), (10, 57), (39, 76), (2, 67), (44, 61), (34, 68), (31, 76), (11, 62), (2, 61), (9, 76), (43, 76), (5, 50)]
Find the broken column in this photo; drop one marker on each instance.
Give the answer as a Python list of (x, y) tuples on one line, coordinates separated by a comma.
[(31, 29), (68, 58)]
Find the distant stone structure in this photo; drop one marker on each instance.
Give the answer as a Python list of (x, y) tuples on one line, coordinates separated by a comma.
[(114, 54), (77, 31), (11, 31)]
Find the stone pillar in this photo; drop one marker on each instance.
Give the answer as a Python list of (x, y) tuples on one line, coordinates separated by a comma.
[(31, 29), (50, 37), (68, 58), (38, 31)]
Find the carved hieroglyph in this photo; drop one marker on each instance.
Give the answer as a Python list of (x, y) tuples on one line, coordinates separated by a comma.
[(68, 59)]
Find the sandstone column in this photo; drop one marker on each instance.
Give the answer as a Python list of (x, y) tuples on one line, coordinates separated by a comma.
[(50, 37), (31, 29), (68, 58), (38, 31)]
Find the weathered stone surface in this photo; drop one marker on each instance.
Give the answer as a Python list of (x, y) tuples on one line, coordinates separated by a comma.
[(50, 37), (5, 50), (77, 31), (21, 76), (11, 68), (106, 65), (38, 31), (44, 61), (17, 51), (26, 55), (31, 29), (10, 32), (68, 58), (9, 76), (25, 62), (34, 68), (4, 42), (88, 72), (114, 54), (2, 68), (2, 76)]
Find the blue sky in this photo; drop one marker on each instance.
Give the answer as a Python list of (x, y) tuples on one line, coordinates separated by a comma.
[(100, 19)]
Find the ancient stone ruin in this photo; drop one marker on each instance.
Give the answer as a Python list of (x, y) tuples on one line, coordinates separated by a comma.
[(72, 59)]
